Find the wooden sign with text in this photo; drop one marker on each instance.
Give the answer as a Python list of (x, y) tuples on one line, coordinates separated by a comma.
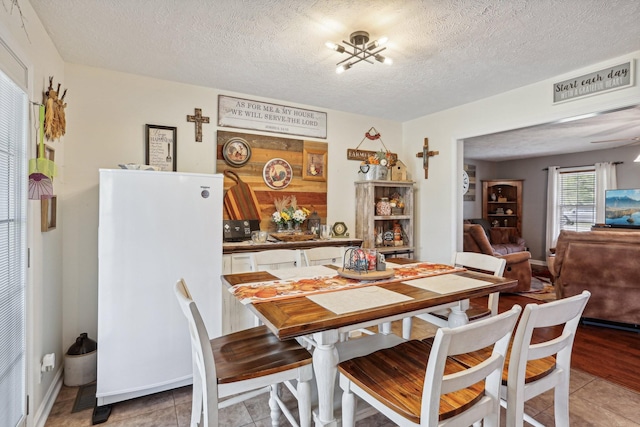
[(362, 155)]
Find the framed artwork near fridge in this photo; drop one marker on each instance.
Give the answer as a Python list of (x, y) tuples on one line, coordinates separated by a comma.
[(314, 161), (160, 147)]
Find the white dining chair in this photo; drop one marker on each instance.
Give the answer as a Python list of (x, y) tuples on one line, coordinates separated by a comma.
[(522, 384), (440, 316), (235, 367), (416, 383), (323, 255), (275, 259)]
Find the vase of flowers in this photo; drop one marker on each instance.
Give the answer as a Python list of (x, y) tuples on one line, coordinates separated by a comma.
[(288, 214)]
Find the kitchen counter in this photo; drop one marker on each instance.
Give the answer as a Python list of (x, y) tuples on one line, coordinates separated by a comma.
[(249, 246)]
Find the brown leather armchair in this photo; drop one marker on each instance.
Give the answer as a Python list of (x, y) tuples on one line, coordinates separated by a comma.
[(500, 239), (475, 240)]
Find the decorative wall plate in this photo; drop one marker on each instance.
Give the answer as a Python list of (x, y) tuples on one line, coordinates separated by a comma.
[(339, 229), (236, 152), (277, 173)]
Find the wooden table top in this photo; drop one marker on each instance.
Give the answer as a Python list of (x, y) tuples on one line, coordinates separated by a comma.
[(293, 317)]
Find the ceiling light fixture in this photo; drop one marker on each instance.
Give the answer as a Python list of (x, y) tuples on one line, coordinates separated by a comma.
[(362, 50)]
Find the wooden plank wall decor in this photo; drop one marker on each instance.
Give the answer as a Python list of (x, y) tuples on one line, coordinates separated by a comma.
[(311, 194)]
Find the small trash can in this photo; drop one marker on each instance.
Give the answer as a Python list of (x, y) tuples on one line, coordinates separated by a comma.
[(81, 362)]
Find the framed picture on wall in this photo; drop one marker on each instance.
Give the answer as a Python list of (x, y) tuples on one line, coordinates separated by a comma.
[(49, 152), (314, 161), (160, 147)]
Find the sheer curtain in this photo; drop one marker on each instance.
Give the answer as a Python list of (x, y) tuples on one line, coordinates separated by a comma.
[(605, 180), (553, 225)]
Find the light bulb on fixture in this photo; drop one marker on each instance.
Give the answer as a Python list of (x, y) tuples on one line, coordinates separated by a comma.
[(383, 59), (377, 43), (342, 68), (335, 47), (362, 50)]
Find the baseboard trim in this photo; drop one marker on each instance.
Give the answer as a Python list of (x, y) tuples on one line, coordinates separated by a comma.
[(40, 417), (537, 262)]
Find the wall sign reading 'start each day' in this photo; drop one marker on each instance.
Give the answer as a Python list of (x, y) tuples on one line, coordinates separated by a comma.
[(277, 174)]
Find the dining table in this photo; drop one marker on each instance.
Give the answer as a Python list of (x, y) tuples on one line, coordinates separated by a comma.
[(317, 306)]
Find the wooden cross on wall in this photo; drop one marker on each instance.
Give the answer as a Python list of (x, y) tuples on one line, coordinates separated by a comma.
[(425, 154), (198, 119)]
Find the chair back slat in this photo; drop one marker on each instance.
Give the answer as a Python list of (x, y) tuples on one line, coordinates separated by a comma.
[(478, 261), (519, 388), (496, 331), (204, 367)]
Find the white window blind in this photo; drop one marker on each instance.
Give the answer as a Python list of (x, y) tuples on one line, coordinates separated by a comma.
[(13, 230), (577, 199)]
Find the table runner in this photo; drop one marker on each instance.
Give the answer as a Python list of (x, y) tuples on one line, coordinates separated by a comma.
[(313, 280)]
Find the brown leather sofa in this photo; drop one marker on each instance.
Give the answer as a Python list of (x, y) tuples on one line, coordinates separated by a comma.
[(475, 240), (606, 264)]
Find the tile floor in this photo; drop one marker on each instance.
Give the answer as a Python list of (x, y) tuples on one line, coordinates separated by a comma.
[(594, 402)]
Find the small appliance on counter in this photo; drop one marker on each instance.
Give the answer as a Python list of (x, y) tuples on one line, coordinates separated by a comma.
[(238, 230)]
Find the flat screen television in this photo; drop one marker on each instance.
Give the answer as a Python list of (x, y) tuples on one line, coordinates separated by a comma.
[(622, 208)]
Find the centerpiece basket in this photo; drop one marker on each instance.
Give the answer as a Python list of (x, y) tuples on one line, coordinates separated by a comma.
[(356, 265)]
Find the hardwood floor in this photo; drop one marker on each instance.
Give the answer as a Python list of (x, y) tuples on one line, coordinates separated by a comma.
[(610, 354)]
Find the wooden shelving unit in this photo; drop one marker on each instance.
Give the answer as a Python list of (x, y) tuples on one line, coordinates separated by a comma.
[(505, 209), (368, 224)]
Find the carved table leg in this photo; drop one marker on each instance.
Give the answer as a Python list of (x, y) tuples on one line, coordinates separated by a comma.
[(325, 362)]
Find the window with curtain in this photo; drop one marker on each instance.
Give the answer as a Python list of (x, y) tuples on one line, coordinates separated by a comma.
[(13, 230), (577, 199)]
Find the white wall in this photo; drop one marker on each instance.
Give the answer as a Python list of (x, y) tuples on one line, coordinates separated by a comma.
[(535, 185), (439, 201), (106, 126), (44, 277)]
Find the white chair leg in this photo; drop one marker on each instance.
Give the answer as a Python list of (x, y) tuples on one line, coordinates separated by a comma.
[(385, 328), (273, 405), (348, 409), (561, 401), (304, 403), (406, 328)]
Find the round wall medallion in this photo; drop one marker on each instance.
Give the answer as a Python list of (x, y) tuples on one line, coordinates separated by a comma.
[(277, 174), (236, 152)]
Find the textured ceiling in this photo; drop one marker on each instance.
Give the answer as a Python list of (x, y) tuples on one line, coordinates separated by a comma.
[(603, 131), (446, 52)]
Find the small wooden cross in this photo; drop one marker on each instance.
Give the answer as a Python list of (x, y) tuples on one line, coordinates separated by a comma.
[(199, 120), (425, 154)]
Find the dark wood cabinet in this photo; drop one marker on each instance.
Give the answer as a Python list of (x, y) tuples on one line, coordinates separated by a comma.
[(502, 204)]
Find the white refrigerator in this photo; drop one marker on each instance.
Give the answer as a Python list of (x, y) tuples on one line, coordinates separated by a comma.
[(154, 228)]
